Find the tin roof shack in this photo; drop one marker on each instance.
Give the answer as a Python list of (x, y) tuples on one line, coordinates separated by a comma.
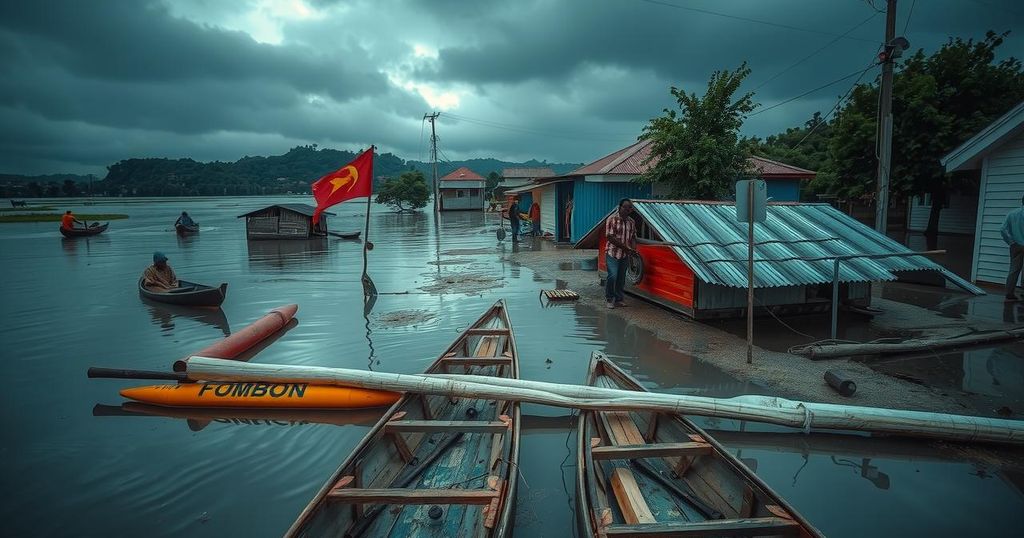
[(600, 185), (694, 258), (284, 221), (462, 189)]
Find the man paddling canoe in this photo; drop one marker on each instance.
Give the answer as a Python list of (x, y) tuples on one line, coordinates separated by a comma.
[(159, 277)]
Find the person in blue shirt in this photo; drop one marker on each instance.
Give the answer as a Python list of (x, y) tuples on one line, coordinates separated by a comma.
[(1013, 233), (184, 220)]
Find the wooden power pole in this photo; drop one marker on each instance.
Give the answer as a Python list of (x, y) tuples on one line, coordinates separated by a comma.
[(433, 159), (885, 122)]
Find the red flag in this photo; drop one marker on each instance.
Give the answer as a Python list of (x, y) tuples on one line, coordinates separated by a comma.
[(354, 180)]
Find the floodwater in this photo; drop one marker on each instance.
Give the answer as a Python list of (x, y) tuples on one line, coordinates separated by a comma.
[(79, 461)]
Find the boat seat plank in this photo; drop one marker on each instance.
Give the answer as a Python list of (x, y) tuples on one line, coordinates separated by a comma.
[(476, 361), (625, 452), (758, 526), (488, 331), (629, 498), (467, 426), (411, 496)]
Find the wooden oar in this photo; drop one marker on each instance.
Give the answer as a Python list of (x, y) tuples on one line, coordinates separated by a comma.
[(117, 373)]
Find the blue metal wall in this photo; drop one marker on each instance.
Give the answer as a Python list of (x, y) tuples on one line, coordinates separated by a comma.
[(784, 190), (592, 201)]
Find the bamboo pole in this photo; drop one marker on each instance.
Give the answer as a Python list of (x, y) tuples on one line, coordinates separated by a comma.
[(831, 351), (755, 408)]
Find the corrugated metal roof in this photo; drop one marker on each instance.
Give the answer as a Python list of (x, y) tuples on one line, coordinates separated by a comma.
[(632, 161), (302, 209), (529, 173), (462, 173), (715, 244)]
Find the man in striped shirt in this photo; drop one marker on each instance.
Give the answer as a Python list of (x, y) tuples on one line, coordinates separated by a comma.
[(620, 232)]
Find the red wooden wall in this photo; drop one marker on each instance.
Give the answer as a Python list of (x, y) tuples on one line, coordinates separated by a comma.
[(665, 275)]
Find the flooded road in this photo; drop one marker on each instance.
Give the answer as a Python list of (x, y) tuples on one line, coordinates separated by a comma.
[(86, 465)]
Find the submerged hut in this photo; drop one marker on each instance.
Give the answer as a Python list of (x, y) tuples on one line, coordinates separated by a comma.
[(694, 258), (284, 221)]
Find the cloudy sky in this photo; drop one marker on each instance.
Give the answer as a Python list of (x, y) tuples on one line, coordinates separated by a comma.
[(86, 83)]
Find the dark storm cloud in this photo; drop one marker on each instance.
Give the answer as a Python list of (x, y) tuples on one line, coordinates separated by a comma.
[(84, 84)]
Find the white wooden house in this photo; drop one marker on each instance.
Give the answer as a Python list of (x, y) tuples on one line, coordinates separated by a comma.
[(998, 152)]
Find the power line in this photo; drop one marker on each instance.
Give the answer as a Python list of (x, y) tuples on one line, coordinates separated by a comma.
[(909, 15), (757, 21), (823, 47), (808, 92), (836, 107), (526, 130)]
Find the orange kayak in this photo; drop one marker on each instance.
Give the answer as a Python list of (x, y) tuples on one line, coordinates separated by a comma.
[(261, 395)]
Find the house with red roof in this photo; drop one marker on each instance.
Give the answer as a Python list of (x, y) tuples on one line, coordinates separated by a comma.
[(573, 203), (461, 190)]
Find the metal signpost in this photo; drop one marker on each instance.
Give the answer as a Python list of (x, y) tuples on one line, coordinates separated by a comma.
[(751, 202)]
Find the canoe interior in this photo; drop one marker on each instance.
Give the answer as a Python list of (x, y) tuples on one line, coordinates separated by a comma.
[(475, 463), (702, 490)]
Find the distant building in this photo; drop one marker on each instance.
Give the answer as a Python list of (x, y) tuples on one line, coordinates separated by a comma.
[(517, 177), (694, 258), (461, 190), (997, 152), (284, 221)]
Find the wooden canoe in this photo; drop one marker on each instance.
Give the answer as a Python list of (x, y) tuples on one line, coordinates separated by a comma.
[(433, 465), (184, 229), (190, 294), (94, 229), (658, 474)]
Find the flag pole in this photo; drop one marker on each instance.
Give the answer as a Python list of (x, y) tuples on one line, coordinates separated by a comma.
[(369, 289)]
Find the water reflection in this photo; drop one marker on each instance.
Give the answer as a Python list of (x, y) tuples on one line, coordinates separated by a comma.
[(198, 419), (84, 245), (280, 255), (163, 315)]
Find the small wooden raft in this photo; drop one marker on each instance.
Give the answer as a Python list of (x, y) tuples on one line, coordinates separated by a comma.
[(561, 295)]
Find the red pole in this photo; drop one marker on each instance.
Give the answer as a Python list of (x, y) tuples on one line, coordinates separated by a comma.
[(237, 343)]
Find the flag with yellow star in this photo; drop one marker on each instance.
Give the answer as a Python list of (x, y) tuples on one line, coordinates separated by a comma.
[(354, 180)]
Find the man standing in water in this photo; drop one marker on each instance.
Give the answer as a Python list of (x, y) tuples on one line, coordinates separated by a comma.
[(159, 277), (68, 221), (620, 232), (513, 218), (1013, 233)]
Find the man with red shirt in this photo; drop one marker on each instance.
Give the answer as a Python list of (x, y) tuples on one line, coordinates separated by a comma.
[(68, 221), (620, 232)]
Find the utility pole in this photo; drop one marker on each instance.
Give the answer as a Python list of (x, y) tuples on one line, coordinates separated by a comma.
[(885, 120), (433, 158)]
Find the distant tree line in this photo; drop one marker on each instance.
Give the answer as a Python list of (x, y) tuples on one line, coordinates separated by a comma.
[(290, 173)]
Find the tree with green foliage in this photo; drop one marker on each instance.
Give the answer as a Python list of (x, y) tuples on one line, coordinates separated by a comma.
[(69, 188), (939, 101), (806, 147), (493, 179), (409, 191), (696, 150)]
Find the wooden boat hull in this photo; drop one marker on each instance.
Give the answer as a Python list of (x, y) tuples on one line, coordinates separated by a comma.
[(346, 235), (84, 232), (260, 395), (658, 474), (201, 296), (182, 229), (431, 466)]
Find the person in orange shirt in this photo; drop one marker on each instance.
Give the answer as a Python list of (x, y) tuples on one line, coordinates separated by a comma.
[(68, 221), (535, 218)]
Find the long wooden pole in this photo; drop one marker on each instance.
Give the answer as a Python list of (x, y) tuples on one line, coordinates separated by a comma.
[(756, 408)]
